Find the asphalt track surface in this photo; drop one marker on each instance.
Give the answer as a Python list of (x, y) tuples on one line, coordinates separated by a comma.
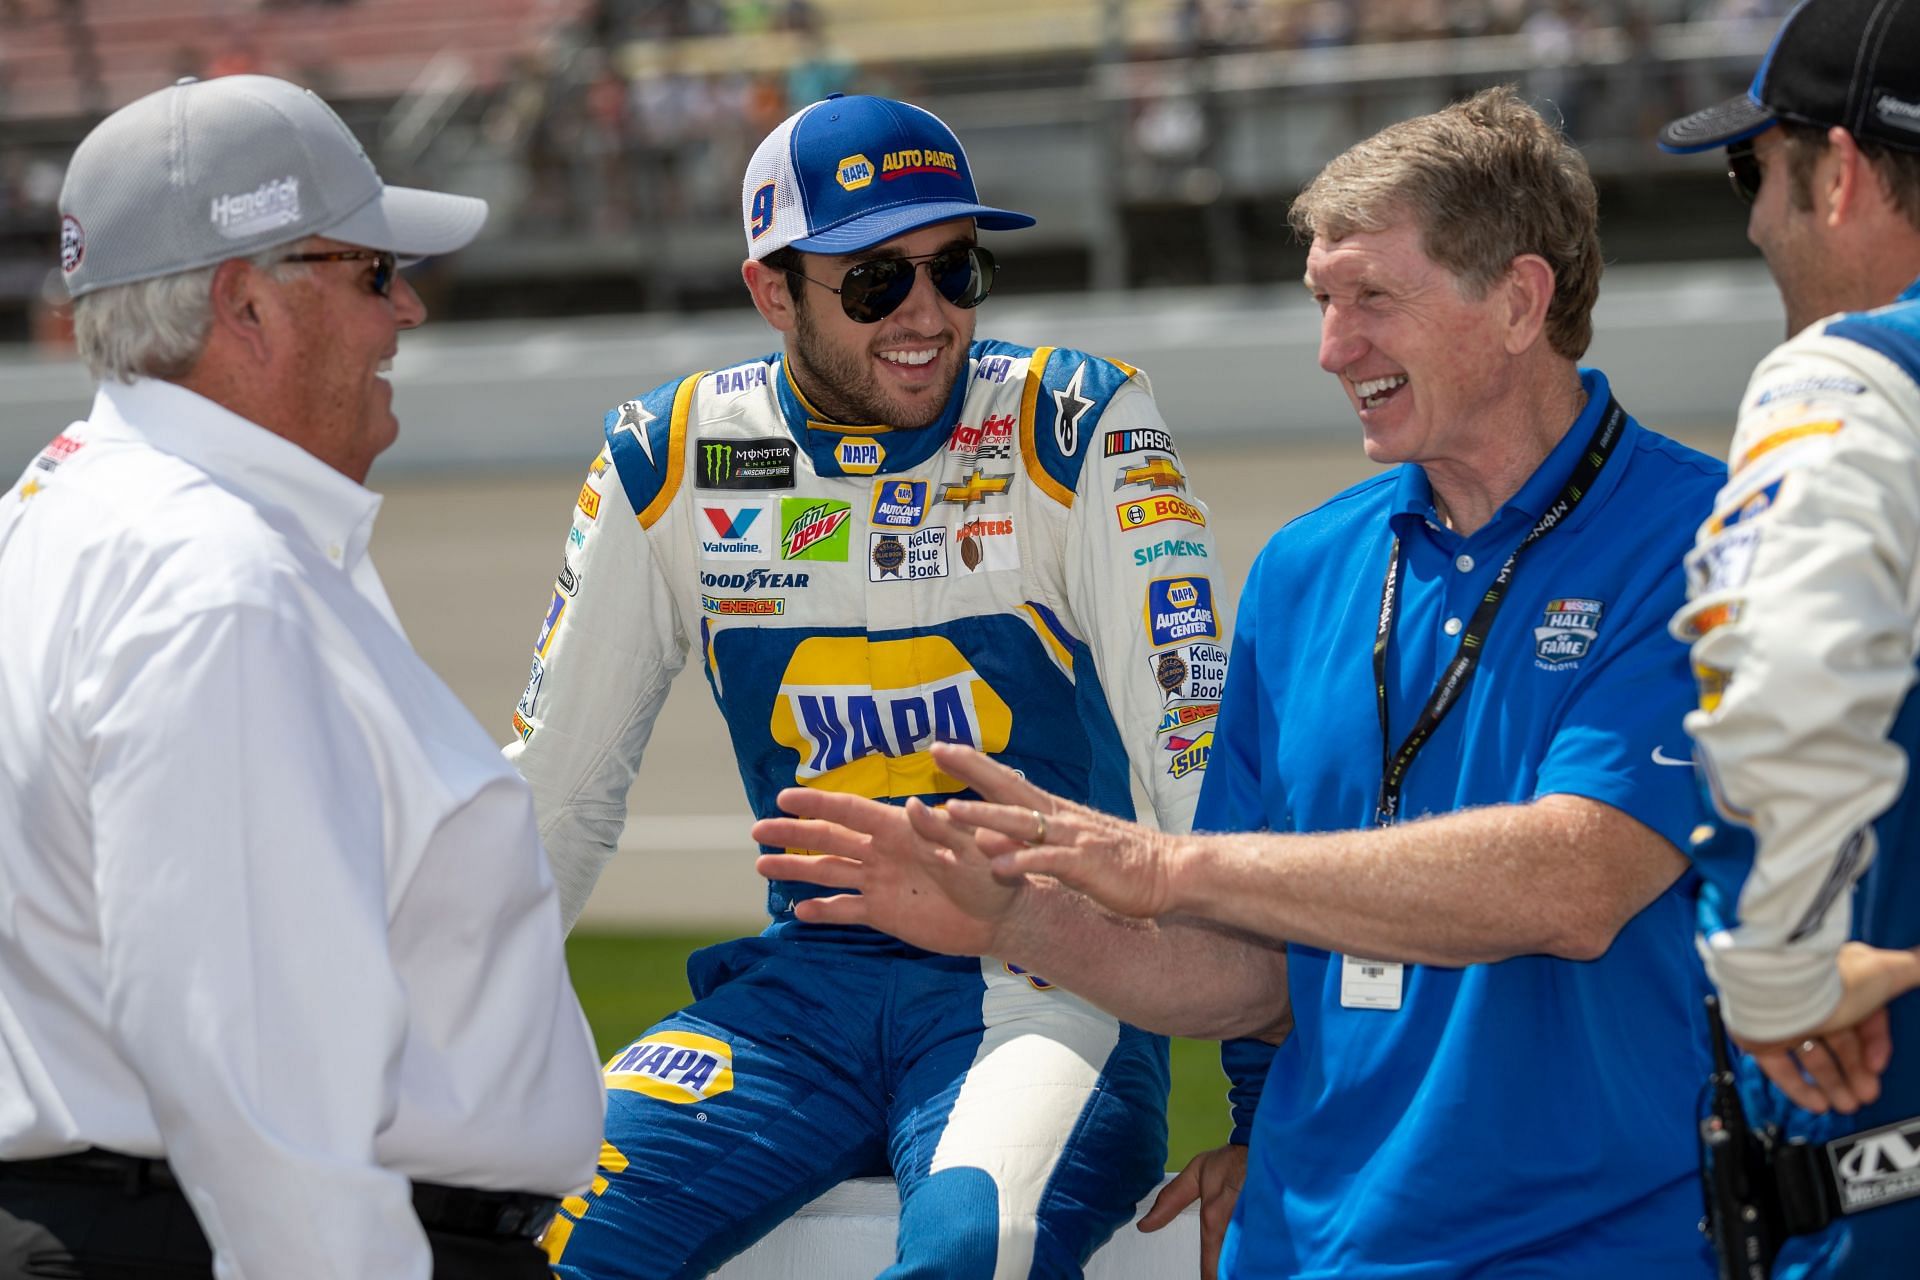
[(469, 562)]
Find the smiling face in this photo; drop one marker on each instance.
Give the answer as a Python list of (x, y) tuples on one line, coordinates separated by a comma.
[(348, 335), (1422, 361), (898, 371)]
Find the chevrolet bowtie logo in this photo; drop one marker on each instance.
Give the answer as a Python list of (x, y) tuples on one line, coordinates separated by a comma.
[(30, 488), (974, 488), (1157, 473)]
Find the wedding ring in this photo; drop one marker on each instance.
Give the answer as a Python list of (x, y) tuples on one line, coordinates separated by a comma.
[(1039, 828)]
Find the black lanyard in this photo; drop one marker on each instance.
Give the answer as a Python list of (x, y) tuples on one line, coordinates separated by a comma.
[(1394, 764)]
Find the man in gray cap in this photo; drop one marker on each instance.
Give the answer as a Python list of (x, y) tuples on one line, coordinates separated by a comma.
[(282, 990)]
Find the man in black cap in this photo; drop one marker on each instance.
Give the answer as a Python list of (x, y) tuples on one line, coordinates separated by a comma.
[(1804, 610)]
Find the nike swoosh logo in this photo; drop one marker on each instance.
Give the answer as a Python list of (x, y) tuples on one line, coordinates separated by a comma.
[(1661, 757)]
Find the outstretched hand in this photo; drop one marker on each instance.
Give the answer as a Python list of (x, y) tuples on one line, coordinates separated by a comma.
[(1022, 830)]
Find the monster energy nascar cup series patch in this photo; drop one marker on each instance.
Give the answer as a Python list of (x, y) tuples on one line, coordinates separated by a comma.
[(764, 463)]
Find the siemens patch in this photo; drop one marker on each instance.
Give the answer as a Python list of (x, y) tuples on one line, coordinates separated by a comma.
[(765, 463), (674, 1066), (1170, 547), (1180, 609)]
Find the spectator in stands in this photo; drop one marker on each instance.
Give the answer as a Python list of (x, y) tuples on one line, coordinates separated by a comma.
[(1446, 738)]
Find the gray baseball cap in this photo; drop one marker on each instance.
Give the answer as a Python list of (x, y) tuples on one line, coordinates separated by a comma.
[(206, 170)]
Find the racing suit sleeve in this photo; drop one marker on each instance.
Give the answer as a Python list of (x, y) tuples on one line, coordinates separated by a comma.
[(1802, 615), (1120, 575), (247, 974), (606, 654)]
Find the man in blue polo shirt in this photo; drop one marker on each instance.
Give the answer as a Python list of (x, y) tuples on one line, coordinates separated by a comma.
[(1457, 676)]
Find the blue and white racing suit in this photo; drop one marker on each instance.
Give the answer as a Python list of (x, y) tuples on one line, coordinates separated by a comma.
[(1804, 612), (1028, 575)]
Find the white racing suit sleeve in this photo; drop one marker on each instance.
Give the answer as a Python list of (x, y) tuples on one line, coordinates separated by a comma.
[(1141, 591), (607, 652), (1802, 616)]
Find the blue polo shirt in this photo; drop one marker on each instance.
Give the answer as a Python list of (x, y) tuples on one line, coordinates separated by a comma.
[(1536, 1117)]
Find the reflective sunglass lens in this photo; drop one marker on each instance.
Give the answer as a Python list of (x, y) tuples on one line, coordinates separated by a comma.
[(1743, 171), (872, 291)]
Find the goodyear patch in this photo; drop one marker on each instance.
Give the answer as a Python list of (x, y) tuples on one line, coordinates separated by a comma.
[(987, 543), (853, 172), (673, 1066), (1156, 508), (899, 504), (1189, 754), (550, 625), (753, 607), (860, 714), (735, 531), (1170, 547), (762, 463), (1568, 627), (1157, 473), (907, 557), (754, 580), (1785, 436), (1180, 609), (859, 457), (1176, 718), (1757, 503), (814, 529), (975, 487), (1813, 386), (1190, 673), (589, 502)]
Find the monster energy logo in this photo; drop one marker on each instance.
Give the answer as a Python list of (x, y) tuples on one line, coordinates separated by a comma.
[(765, 463)]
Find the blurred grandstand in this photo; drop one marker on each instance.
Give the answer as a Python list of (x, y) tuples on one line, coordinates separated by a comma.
[(1157, 140)]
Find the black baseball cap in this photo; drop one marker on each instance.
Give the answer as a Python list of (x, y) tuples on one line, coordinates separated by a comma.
[(1851, 63)]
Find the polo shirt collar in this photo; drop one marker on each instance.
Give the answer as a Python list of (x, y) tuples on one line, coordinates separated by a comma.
[(334, 512)]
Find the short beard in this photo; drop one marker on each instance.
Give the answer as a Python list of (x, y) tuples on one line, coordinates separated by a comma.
[(843, 388)]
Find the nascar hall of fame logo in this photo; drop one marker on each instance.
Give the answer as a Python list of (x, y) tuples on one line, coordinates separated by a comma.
[(1567, 631), (1139, 440), (859, 457), (1156, 473), (1189, 753), (814, 529), (1180, 609), (73, 244), (1190, 673), (853, 172), (765, 463), (899, 504), (1877, 1166), (1156, 508), (908, 557), (673, 1066), (736, 531), (860, 713)]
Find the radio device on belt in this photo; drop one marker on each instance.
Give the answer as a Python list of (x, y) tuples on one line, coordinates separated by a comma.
[(1761, 1187)]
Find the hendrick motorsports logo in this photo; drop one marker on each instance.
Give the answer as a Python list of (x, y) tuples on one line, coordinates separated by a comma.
[(765, 463), (1570, 626)]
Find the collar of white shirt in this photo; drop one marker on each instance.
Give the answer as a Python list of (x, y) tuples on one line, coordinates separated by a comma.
[(269, 470)]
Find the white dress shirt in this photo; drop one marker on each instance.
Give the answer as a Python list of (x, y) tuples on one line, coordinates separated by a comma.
[(271, 904)]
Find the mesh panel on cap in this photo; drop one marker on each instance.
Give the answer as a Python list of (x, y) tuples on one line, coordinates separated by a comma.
[(773, 162)]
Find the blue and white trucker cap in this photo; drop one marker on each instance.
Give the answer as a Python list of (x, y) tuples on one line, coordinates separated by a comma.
[(847, 173)]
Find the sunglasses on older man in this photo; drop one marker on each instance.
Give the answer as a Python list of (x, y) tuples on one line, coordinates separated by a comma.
[(873, 290), (1743, 171), (384, 264)]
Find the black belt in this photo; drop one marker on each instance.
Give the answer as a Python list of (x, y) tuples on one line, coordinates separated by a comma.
[(462, 1211)]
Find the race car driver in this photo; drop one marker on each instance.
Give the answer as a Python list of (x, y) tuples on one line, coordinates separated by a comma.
[(884, 536)]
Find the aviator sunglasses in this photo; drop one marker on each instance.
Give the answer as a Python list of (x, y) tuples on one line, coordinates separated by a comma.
[(1743, 171), (384, 264), (873, 290)]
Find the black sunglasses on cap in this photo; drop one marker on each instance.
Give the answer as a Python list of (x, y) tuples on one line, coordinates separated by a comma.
[(873, 290), (384, 264), (1743, 171)]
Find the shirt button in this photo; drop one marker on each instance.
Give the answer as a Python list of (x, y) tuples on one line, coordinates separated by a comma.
[(1464, 564), (333, 552), (1452, 626)]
